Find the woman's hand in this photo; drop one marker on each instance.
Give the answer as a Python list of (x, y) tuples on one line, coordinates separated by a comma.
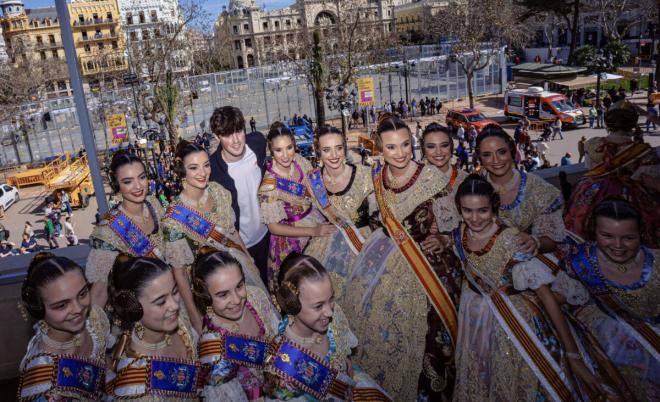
[(526, 244), (325, 229), (435, 243), (585, 376)]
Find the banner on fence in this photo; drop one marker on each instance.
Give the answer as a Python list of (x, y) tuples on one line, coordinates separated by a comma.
[(118, 128), (366, 91)]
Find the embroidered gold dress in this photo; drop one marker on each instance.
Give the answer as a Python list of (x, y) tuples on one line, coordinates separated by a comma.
[(351, 204), (537, 208), (444, 208), (106, 243), (286, 201), (45, 375), (403, 344), (489, 367), (227, 379), (613, 314), (158, 379), (182, 241), (353, 383)]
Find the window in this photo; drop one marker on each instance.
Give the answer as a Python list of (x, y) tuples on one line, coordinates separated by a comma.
[(133, 35), (61, 85), (87, 48), (81, 19), (101, 46), (277, 24), (115, 45), (515, 101), (55, 54), (39, 40), (108, 16), (235, 29), (95, 17), (84, 35), (248, 42), (157, 33), (265, 25), (237, 44), (112, 32), (246, 27), (142, 18), (266, 40), (154, 16), (51, 39), (298, 21), (98, 34), (90, 65), (43, 55), (288, 23), (129, 18)]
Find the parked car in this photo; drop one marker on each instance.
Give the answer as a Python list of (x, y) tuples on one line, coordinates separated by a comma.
[(8, 196), (467, 118)]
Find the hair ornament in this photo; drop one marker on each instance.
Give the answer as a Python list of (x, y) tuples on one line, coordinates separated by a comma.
[(291, 287)]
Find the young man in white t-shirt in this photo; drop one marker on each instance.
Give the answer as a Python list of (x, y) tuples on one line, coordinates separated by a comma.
[(238, 165)]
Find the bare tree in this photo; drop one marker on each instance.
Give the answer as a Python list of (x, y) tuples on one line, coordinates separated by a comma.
[(480, 29), (328, 53), (617, 17)]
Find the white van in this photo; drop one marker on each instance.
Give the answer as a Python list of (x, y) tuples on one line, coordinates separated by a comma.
[(537, 104)]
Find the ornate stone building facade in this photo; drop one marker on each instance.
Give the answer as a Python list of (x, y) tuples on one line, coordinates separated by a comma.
[(252, 36)]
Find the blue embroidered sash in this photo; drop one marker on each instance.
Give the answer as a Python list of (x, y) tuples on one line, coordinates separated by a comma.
[(246, 351), (305, 371), (196, 223), (173, 378), (138, 242), (84, 377), (290, 186), (350, 232)]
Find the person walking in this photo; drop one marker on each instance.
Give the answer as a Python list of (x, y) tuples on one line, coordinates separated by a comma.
[(651, 111), (460, 134), (592, 115), (556, 129), (581, 143), (66, 202), (600, 115), (49, 230), (253, 125), (69, 233)]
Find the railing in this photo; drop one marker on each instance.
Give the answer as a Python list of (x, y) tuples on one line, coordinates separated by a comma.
[(48, 45), (93, 22), (96, 37)]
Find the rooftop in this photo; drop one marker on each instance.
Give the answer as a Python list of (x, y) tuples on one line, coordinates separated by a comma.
[(543, 70)]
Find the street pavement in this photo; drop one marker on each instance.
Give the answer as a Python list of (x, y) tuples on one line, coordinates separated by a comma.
[(32, 202)]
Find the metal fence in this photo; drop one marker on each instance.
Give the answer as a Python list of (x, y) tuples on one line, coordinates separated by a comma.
[(267, 93)]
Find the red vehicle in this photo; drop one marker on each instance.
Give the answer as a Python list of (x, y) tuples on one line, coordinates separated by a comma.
[(468, 118)]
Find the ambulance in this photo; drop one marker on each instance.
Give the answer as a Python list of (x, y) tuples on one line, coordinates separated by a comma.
[(537, 104)]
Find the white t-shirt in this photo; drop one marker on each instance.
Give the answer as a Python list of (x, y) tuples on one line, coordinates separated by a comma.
[(247, 178)]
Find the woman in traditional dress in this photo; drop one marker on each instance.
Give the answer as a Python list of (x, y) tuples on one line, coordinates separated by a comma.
[(528, 203), (65, 358), (437, 148), (341, 191), (514, 342), (403, 292), (618, 167), (309, 360), (200, 215), (155, 358), (131, 227), (239, 322), (286, 205), (623, 279)]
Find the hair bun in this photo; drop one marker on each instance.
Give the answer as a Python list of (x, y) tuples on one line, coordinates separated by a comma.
[(38, 258), (126, 305), (384, 116), (276, 124)]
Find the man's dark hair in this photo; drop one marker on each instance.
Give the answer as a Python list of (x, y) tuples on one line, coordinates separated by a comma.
[(226, 121)]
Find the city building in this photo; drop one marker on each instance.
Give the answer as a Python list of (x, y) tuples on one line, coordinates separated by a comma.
[(252, 36), (3, 51), (99, 41), (32, 40), (411, 20), (150, 28)]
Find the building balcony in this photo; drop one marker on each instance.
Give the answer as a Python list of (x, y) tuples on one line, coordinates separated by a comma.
[(98, 37), (94, 22), (47, 45)]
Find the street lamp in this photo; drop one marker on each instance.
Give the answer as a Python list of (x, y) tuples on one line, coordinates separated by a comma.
[(602, 61), (407, 67)]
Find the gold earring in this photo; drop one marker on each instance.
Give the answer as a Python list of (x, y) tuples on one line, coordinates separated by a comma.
[(139, 330), (209, 311), (43, 327), (292, 319)]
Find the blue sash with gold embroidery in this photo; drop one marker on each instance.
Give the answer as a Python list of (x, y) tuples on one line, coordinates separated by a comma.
[(298, 366), (350, 232), (65, 373), (169, 377), (196, 223), (136, 240), (246, 351)]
